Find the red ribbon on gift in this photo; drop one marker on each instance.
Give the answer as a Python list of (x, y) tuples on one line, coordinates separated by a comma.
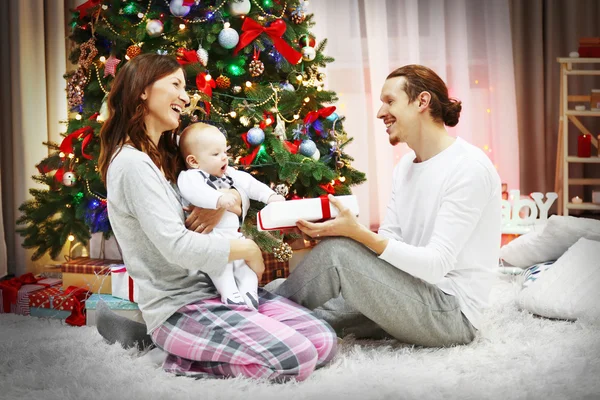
[(325, 210), (328, 188), (66, 146), (77, 317), (206, 87), (10, 288), (323, 113), (252, 29)]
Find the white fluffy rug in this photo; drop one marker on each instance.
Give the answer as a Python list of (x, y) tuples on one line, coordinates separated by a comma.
[(516, 356)]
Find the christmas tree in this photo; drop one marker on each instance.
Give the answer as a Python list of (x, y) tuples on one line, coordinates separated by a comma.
[(252, 69)]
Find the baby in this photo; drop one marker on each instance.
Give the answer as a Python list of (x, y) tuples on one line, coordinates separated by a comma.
[(204, 149)]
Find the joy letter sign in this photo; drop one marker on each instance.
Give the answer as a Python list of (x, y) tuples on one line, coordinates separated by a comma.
[(514, 220)]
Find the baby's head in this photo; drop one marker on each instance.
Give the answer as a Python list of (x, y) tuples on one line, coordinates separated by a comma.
[(204, 147)]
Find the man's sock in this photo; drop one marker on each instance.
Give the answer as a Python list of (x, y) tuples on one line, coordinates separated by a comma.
[(116, 328)]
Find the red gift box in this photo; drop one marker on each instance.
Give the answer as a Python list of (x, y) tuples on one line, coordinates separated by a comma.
[(14, 293), (70, 299)]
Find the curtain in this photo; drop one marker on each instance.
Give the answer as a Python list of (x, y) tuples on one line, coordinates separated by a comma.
[(467, 43), (33, 104), (544, 30)]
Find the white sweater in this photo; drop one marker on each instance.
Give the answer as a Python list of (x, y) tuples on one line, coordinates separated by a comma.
[(444, 223)]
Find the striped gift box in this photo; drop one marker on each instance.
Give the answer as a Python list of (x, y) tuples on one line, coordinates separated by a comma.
[(89, 273)]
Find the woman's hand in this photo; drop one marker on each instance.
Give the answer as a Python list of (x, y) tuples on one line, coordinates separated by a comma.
[(247, 250), (345, 224), (202, 220)]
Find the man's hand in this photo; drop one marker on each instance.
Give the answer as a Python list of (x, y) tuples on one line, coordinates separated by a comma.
[(202, 220), (275, 197), (345, 224), (226, 201)]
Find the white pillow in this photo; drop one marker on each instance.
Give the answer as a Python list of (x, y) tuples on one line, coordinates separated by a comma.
[(569, 289), (558, 235)]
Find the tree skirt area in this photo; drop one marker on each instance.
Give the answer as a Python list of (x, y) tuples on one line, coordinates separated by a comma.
[(515, 356)]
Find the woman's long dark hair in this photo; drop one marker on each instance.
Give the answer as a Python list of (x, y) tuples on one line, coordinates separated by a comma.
[(127, 110)]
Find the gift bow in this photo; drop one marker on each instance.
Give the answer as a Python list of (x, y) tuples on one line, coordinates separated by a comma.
[(66, 146), (206, 87), (84, 8), (252, 29), (77, 316), (10, 288), (323, 113)]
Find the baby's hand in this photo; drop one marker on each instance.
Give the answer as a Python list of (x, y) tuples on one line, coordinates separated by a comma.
[(226, 200), (275, 197)]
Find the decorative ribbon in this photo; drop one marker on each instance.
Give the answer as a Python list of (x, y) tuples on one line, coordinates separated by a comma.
[(323, 113), (252, 29), (185, 56), (328, 188), (325, 210), (292, 146), (263, 124), (245, 139), (66, 146), (84, 8), (249, 159), (77, 317), (131, 290), (206, 87), (189, 3), (10, 288)]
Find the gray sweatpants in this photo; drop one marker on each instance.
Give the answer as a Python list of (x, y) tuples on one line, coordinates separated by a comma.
[(356, 292)]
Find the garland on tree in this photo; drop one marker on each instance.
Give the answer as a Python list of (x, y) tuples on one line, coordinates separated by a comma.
[(252, 68)]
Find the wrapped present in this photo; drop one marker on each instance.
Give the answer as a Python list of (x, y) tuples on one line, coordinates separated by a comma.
[(274, 269), (14, 292), (119, 306), (69, 300), (92, 274), (104, 248), (589, 47), (285, 214), (122, 285)]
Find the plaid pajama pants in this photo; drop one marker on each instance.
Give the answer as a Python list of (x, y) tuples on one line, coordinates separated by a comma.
[(279, 342)]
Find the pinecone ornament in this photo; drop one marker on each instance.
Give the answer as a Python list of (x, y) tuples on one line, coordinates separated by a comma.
[(256, 68), (298, 17), (202, 56), (75, 85), (133, 50), (223, 82)]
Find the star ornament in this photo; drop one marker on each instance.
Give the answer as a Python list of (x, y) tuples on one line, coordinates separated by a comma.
[(110, 67)]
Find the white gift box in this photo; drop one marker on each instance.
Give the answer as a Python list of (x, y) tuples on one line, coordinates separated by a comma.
[(104, 249), (285, 214), (123, 286)]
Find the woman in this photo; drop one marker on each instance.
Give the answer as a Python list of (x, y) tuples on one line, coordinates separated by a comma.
[(139, 162)]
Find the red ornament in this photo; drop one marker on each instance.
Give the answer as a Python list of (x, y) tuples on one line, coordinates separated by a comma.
[(133, 50), (584, 145), (307, 40)]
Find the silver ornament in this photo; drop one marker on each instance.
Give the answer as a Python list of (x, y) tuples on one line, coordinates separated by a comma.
[(308, 53), (317, 155), (178, 9), (255, 136), (239, 7), (154, 27), (307, 148), (202, 56), (236, 89), (229, 38), (69, 178)]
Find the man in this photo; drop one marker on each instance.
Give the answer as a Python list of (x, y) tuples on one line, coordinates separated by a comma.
[(425, 277)]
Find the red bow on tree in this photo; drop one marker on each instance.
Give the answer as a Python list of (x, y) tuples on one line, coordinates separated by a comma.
[(323, 113), (185, 56), (206, 87), (292, 147), (66, 146), (84, 8), (252, 29)]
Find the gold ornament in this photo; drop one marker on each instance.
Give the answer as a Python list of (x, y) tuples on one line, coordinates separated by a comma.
[(223, 82), (283, 253), (133, 50)]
